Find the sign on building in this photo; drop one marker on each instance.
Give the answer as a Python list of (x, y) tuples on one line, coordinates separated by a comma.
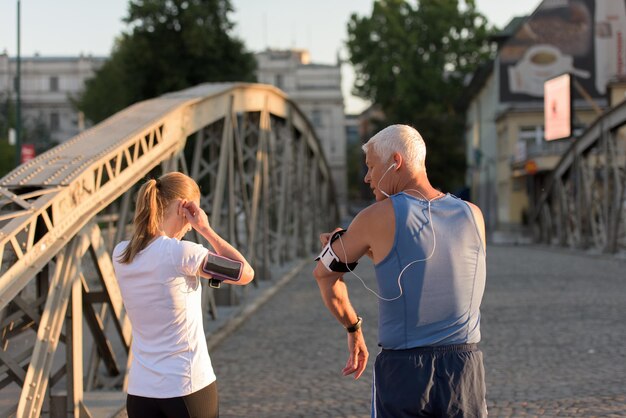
[(557, 107), (28, 153)]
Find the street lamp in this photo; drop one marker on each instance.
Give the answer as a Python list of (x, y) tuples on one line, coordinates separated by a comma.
[(18, 115)]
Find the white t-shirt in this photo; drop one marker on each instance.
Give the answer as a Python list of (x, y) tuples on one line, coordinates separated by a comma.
[(162, 296)]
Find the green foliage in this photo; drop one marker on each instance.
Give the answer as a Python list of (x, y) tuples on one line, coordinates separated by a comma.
[(36, 132), (169, 45), (412, 61), (7, 157), (354, 157), (33, 132), (7, 116), (7, 120)]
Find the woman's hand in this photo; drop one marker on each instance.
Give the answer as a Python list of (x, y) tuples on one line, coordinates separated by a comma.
[(196, 217)]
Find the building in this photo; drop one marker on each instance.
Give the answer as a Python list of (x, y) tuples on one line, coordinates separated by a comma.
[(316, 89), (508, 159), (354, 162), (48, 85), (352, 129)]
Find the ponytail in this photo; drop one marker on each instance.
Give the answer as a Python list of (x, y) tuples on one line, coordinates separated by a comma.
[(152, 200), (148, 215)]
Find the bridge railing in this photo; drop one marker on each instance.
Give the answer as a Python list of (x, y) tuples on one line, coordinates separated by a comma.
[(584, 203), (265, 185)]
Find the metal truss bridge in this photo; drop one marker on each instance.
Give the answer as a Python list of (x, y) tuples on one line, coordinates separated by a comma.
[(584, 203), (266, 187)]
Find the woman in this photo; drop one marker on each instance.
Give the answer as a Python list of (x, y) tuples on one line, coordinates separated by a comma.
[(171, 373)]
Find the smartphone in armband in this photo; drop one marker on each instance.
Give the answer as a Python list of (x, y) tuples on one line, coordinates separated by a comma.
[(221, 268), (330, 260)]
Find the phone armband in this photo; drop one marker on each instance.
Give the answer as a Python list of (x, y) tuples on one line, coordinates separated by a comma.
[(330, 260), (221, 268)]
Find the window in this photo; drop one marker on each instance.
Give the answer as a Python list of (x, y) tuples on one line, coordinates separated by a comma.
[(54, 121), (316, 118), (532, 138), (531, 134), (278, 81), (54, 83)]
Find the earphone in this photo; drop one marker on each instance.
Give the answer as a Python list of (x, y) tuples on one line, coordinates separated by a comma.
[(381, 179), (432, 226)]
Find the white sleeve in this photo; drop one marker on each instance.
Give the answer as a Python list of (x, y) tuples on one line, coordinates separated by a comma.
[(187, 257)]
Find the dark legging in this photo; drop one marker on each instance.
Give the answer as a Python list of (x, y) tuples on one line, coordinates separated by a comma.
[(200, 404)]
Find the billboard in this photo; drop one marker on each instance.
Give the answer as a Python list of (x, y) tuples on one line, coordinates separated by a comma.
[(585, 38), (557, 105)]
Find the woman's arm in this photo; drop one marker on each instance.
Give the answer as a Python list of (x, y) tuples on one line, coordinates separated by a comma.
[(198, 219)]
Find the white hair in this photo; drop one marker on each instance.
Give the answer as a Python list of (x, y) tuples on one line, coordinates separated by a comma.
[(402, 139)]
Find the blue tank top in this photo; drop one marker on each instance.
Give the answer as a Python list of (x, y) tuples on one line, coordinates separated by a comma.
[(440, 302)]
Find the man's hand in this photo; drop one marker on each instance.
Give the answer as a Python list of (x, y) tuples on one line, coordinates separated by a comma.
[(326, 236), (357, 361)]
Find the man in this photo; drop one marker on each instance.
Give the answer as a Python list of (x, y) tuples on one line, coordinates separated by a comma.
[(428, 249)]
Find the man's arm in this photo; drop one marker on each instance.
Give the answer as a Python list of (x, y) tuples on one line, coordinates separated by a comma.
[(351, 246)]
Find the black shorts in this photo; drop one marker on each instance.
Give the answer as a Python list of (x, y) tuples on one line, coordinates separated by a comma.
[(444, 381), (200, 404)]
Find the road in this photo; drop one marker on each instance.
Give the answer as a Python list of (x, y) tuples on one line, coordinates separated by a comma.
[(553, 340)]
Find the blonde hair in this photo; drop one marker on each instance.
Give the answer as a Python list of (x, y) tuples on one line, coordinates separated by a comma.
[(152, 200), (402, 139)]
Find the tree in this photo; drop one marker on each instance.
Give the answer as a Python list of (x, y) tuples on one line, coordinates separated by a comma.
[(7, 157), (7, 115), (7, 121), (169, 45), (36, 132), (412, 61)]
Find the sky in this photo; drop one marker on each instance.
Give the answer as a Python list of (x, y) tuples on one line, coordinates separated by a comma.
[(72, 27)]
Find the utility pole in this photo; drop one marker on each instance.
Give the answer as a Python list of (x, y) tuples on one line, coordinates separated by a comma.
[(18, 122)]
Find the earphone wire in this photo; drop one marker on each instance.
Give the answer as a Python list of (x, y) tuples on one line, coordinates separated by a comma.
[(432, 227)]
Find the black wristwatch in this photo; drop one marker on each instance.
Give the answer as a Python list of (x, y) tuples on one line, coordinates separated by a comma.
[(355, 327)]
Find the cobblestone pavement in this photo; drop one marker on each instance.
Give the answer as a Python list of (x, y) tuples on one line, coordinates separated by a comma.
[(553, 333), (553, 338)]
